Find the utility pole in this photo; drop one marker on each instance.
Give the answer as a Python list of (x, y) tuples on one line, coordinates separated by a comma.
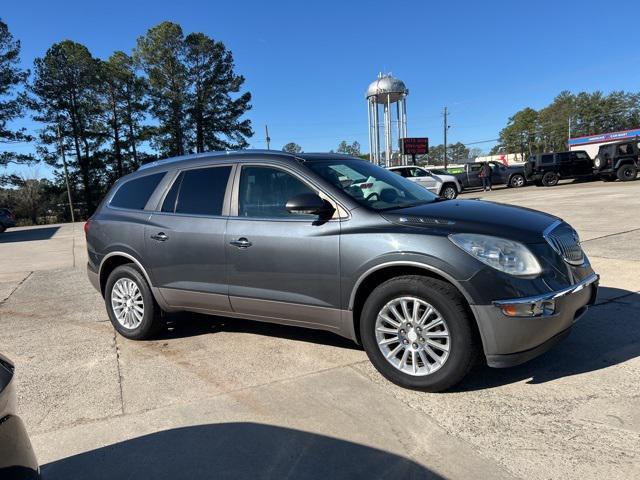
[(266, 129), (66, 173), (446, 127)]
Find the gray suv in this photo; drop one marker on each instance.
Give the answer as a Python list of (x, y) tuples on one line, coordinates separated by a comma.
[(336, 243)]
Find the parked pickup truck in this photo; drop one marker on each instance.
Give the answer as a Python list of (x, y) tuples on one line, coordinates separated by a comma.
[(511, 176)]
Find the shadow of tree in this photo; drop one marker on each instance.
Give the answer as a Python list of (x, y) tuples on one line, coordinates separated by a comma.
[(28, 235), (235, 451)]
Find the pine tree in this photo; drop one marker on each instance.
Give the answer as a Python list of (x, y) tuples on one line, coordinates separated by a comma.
[(12, 99), (214, 114), (65, 87)]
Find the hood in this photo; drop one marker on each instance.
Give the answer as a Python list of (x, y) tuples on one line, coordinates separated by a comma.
[(476, 216)]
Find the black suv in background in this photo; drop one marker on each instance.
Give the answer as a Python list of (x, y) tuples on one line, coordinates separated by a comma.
[(6, 219), (549, 168), (618, 160)]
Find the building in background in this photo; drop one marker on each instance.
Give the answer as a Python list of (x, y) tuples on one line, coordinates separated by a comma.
[(386, 90), (591, 143)]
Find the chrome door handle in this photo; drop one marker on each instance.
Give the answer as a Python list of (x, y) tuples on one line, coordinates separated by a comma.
[(160, 237), (241, 243)]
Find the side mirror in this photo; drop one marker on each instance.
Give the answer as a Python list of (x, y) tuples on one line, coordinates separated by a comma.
[(310, 204)]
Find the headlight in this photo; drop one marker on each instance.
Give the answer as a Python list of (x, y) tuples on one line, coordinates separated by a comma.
[(504, 255)]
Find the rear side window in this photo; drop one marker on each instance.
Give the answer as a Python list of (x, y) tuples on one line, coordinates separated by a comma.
[(135, 193), (564, 157), (582, 156), (198, 192), (546, 159)]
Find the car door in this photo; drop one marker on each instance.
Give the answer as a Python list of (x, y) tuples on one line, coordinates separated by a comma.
[(473, 175), (282, 267), (184, 241), (422, 177)]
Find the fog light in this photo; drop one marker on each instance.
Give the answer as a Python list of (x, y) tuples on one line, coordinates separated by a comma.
[(534, 309)]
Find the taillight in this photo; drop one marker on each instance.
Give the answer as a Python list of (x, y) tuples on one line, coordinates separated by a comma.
[(86, 226)]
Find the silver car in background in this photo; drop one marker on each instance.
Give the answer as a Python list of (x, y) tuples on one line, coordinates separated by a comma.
[(445, 186)]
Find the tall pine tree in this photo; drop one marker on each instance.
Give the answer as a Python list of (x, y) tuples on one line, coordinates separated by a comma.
[(12, 98)]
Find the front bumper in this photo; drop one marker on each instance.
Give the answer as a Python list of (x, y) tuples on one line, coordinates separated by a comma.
[(510, 340)]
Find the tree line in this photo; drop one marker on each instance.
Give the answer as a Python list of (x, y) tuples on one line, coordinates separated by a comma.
[(531, 131), (171, 95)]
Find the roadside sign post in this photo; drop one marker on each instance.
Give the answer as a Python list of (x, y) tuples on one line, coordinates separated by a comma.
[(414, 146)]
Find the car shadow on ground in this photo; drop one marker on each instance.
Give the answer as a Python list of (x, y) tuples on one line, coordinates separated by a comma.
[(28, 235), (609, 334), (235, 451), (185, 324)]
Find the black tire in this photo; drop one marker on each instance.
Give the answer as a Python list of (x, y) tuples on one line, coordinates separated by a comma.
[(538, 183), (607, 178), (449, 191), (550, 179), (2, 228), (448, 301), (517, 181), (626, 173), (151, 322)]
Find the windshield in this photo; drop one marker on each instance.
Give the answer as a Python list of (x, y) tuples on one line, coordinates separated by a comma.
[(370, 185)]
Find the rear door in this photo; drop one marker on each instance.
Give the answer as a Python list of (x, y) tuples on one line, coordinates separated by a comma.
[(281, 266), (582, 163), (565, 164), (473, 175), (185, 247)]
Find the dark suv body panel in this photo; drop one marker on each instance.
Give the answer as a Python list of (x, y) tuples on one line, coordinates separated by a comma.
[(306, 272)]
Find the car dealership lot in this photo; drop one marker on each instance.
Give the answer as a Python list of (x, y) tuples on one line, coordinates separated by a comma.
[(250, 399)]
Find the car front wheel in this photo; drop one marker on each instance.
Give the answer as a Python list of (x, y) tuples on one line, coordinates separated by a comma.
[(417, 333), (130, 304), (516, 181), (449, 192)]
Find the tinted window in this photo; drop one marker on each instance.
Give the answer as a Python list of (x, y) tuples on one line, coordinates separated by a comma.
[(624, 149), (201, 191), (582, 156), (264, 192), (169, 204), (135, 193), (547, 159), (475, 167), (564, 157)]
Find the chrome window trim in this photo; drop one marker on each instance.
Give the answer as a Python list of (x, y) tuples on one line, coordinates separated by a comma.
[(594, 277)]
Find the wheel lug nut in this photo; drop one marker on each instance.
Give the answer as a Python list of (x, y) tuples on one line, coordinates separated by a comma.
[(408, 325), (402, 332), (405, 341), (419, 329), (415, 345), (422, 339)]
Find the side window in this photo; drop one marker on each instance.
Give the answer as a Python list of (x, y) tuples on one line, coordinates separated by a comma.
[(581, 156), (547, 159), (476, 167), (264, 192), (624, 149), (399, 171), (564, 157), (135, 193), (200, 191)]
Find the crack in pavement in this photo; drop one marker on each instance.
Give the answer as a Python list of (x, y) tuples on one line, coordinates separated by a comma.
[(117, 348), (2, 302)]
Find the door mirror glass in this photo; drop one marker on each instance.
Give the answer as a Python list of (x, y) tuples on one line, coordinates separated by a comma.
[(309, 204)]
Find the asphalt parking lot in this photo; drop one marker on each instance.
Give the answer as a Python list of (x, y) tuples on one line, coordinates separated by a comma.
[(225, 398)]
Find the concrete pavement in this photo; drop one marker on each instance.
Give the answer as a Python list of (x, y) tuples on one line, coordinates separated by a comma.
[(225, 398)]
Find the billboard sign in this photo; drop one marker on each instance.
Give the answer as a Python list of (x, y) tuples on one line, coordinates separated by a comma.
[(414, 146)]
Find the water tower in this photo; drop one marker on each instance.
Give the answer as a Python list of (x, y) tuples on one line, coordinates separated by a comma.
[(386, 91)]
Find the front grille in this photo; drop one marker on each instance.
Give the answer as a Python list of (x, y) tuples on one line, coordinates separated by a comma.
[(565, 241)]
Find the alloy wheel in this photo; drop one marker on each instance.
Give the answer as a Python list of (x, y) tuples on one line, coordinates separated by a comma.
[(127, 303), (413, 336)]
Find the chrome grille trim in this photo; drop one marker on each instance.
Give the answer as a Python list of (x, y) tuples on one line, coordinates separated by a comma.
[(564, 241)]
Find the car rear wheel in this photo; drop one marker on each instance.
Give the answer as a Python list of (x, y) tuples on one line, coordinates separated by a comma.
[(550, 179), (417, 333), (627, 173), (449, 191), (130, 304), (516, 181)]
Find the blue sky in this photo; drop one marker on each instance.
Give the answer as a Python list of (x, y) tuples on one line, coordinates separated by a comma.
[(308, 63)]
